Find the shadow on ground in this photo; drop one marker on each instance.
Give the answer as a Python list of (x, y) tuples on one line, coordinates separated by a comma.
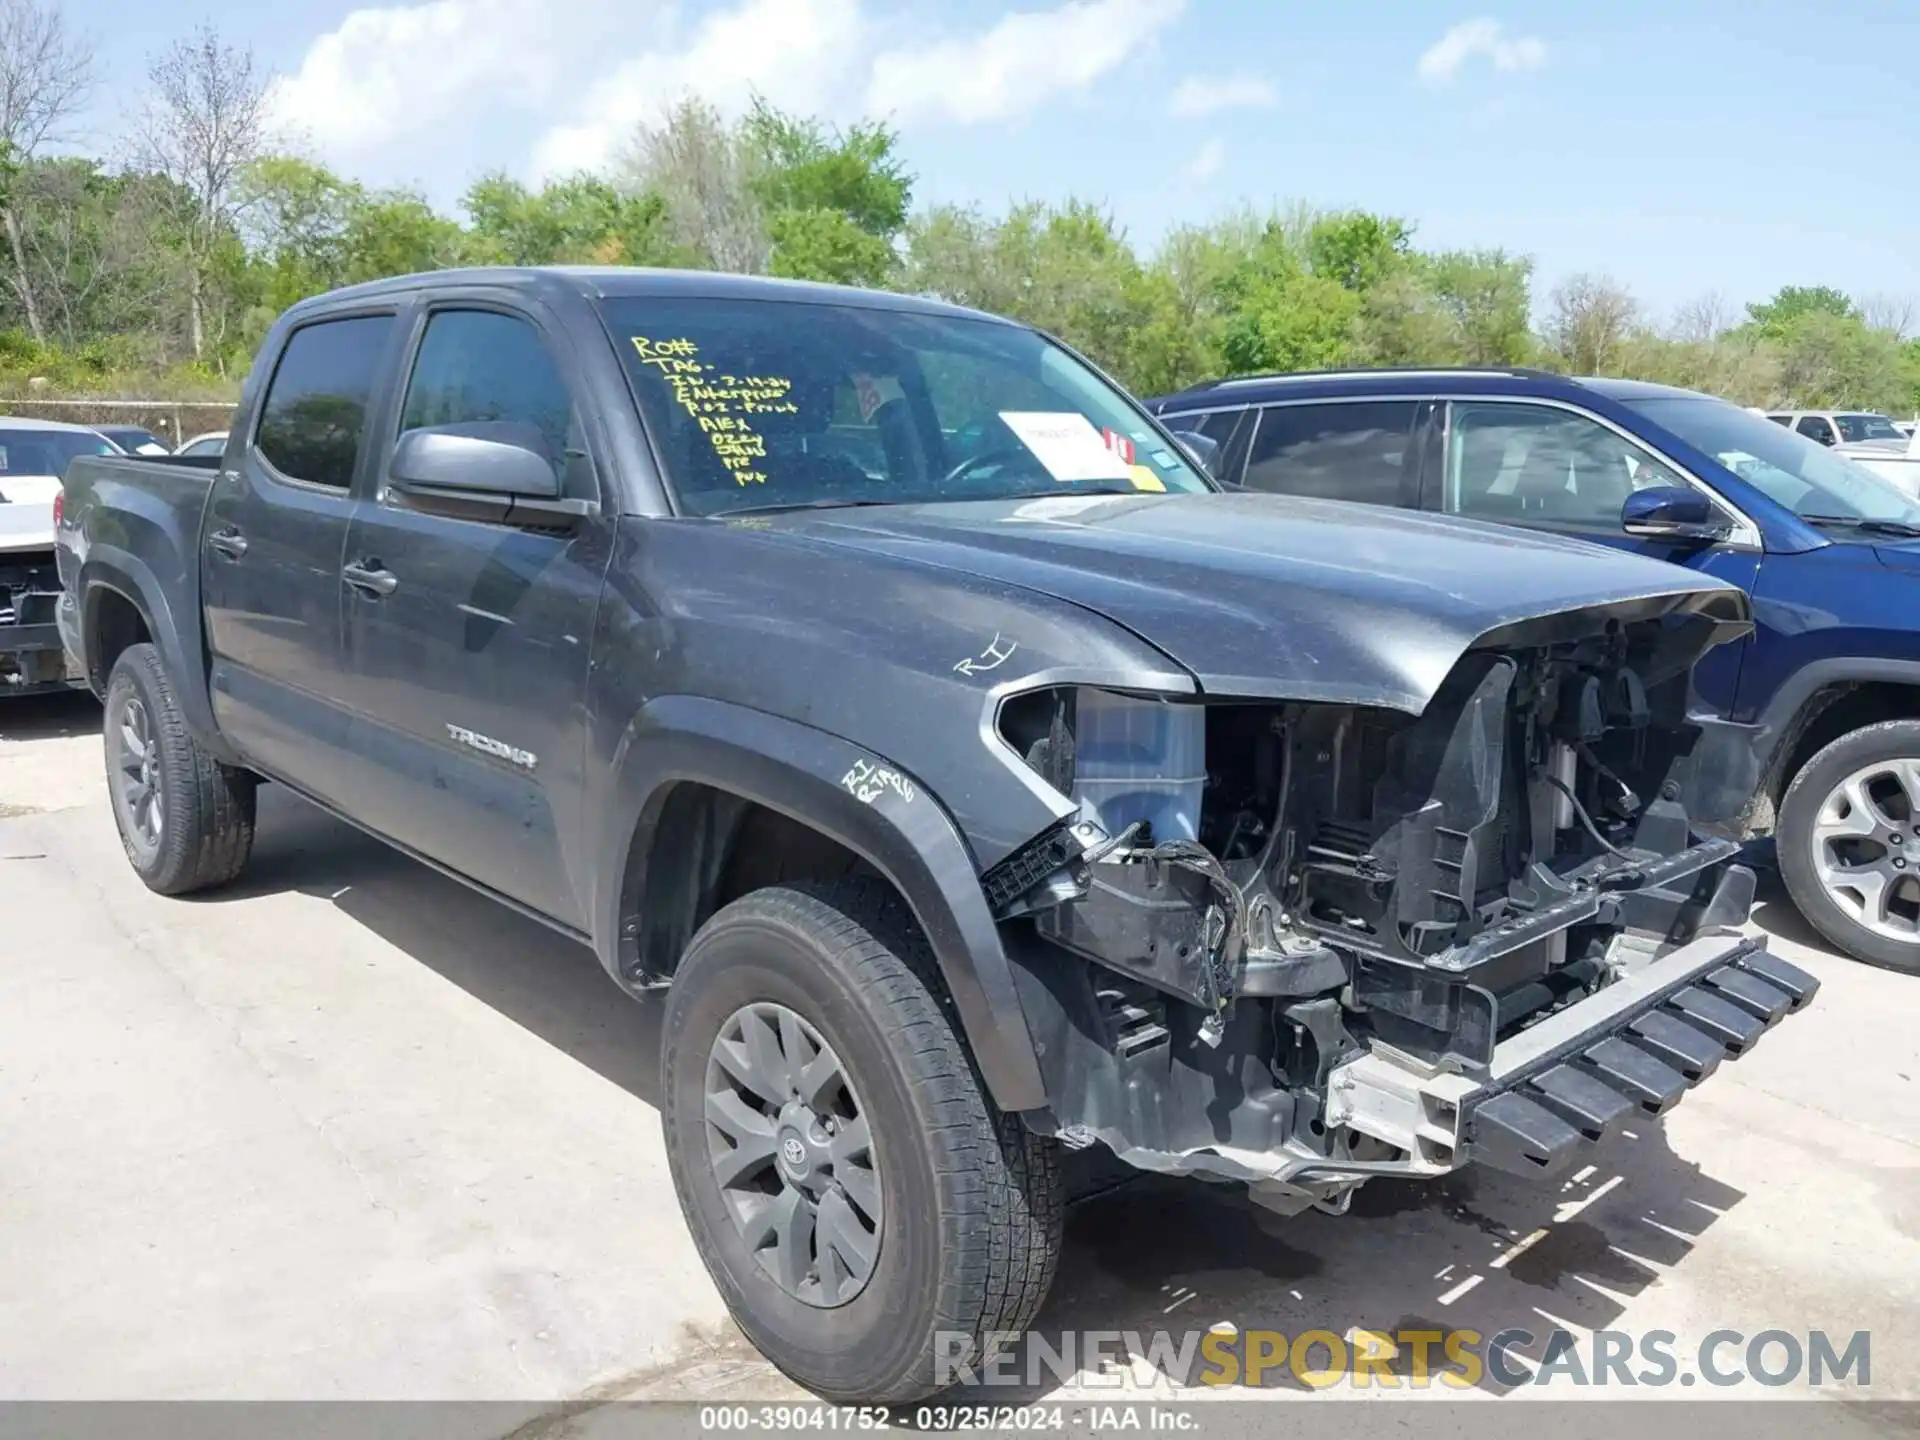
[(1478, 1251), (541, 980), (51, 715)]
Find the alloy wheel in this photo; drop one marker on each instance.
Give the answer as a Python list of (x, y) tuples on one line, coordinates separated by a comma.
[(788, 1142), (137, 774), (1866, 848)]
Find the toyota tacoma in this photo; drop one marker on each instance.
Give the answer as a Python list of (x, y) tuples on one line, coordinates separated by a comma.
[(884, 686)]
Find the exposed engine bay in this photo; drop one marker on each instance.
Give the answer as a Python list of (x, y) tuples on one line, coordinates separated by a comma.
[(1321, 972)]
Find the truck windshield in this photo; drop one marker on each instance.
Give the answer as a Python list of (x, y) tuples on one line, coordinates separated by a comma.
[(1787, 468), (757, 404), (1866, 427)]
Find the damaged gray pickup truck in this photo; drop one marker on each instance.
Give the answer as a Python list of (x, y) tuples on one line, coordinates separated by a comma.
[(883, 685)]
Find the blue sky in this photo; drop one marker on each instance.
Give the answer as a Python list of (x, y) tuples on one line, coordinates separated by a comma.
[(1682, 146)]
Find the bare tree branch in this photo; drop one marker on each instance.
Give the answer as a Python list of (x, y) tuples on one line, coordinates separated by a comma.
[(46, 75), (1590, 320), (1898, 315), (703, 168), (1703, 319), (204, 122)]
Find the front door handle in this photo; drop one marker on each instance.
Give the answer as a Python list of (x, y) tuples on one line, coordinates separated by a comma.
[(367, 576), (229, 542)]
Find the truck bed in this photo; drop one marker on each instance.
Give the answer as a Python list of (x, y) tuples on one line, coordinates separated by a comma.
[(129, 516)]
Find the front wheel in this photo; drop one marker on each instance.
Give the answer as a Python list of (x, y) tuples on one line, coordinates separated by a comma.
[(1848, 839), (860, 1203)]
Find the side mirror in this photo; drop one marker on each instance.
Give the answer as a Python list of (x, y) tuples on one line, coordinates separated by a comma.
[(495, 471), (1670, 512), (1201, 449), (491, 459)]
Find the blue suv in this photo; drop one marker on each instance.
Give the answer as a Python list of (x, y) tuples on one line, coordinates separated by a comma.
[(1818, 711)]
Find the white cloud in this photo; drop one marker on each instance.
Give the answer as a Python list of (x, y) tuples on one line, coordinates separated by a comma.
[(1481, 38), (1026, 59), (390, 70), (1197, 96), (796, 53), (1210, 161)]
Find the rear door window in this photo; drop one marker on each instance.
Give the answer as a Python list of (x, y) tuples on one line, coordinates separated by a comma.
[(1363, 451), (315, 412)]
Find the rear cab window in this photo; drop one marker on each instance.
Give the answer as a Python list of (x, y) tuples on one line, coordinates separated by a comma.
[(764, 404), (313, 417)]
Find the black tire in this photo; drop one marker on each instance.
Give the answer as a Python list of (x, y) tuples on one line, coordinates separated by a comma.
[(1794, 840), (972, 1198), (206, 808)]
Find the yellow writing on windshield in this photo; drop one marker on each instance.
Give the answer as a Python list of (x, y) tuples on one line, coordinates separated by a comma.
[(723, 405)]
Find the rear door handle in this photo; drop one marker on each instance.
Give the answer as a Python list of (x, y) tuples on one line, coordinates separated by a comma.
[(367, 576), (229, 542)]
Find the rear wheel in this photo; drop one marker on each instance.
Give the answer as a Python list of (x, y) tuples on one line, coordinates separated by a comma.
[(858, 1200), (1849, 843), (185, 820)]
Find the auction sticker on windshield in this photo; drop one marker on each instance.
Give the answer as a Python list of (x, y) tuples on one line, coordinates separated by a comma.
[(1067, 445)]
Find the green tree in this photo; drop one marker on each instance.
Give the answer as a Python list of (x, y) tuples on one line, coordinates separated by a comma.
[(296, 217), (1487, 295), (1792, 303), (581, 220), (396, 232), (833, 202), (1357, 249)]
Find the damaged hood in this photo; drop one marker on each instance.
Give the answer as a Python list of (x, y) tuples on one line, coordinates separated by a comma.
[(1261, 595)]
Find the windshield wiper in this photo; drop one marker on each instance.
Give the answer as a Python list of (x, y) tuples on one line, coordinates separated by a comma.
[(1903, 528), (838, 503), (827, 503), (1075, 489)]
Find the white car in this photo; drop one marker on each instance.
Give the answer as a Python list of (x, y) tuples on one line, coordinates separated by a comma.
[(214, 443), (33, 456), (1843, 429)]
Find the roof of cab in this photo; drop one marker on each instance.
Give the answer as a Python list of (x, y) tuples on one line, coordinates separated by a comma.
[(597, 282)]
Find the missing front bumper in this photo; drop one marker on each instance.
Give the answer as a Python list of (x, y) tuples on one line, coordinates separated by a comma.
[(1631, 1050)]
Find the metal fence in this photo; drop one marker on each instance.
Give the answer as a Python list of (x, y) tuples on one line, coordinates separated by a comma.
[(171, 420)]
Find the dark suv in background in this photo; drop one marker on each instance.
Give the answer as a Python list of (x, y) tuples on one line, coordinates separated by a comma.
[(1819, 742)]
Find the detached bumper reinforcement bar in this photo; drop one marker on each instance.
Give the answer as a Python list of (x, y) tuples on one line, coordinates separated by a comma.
[(1632, 1050)]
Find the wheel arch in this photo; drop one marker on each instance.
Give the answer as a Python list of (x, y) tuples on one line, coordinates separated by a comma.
[(691, 776), (113, 582), (1819, 704)]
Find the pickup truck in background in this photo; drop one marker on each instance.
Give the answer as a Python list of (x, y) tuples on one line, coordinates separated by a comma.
[(882, 684), (1868, 439), (1825, 691)]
